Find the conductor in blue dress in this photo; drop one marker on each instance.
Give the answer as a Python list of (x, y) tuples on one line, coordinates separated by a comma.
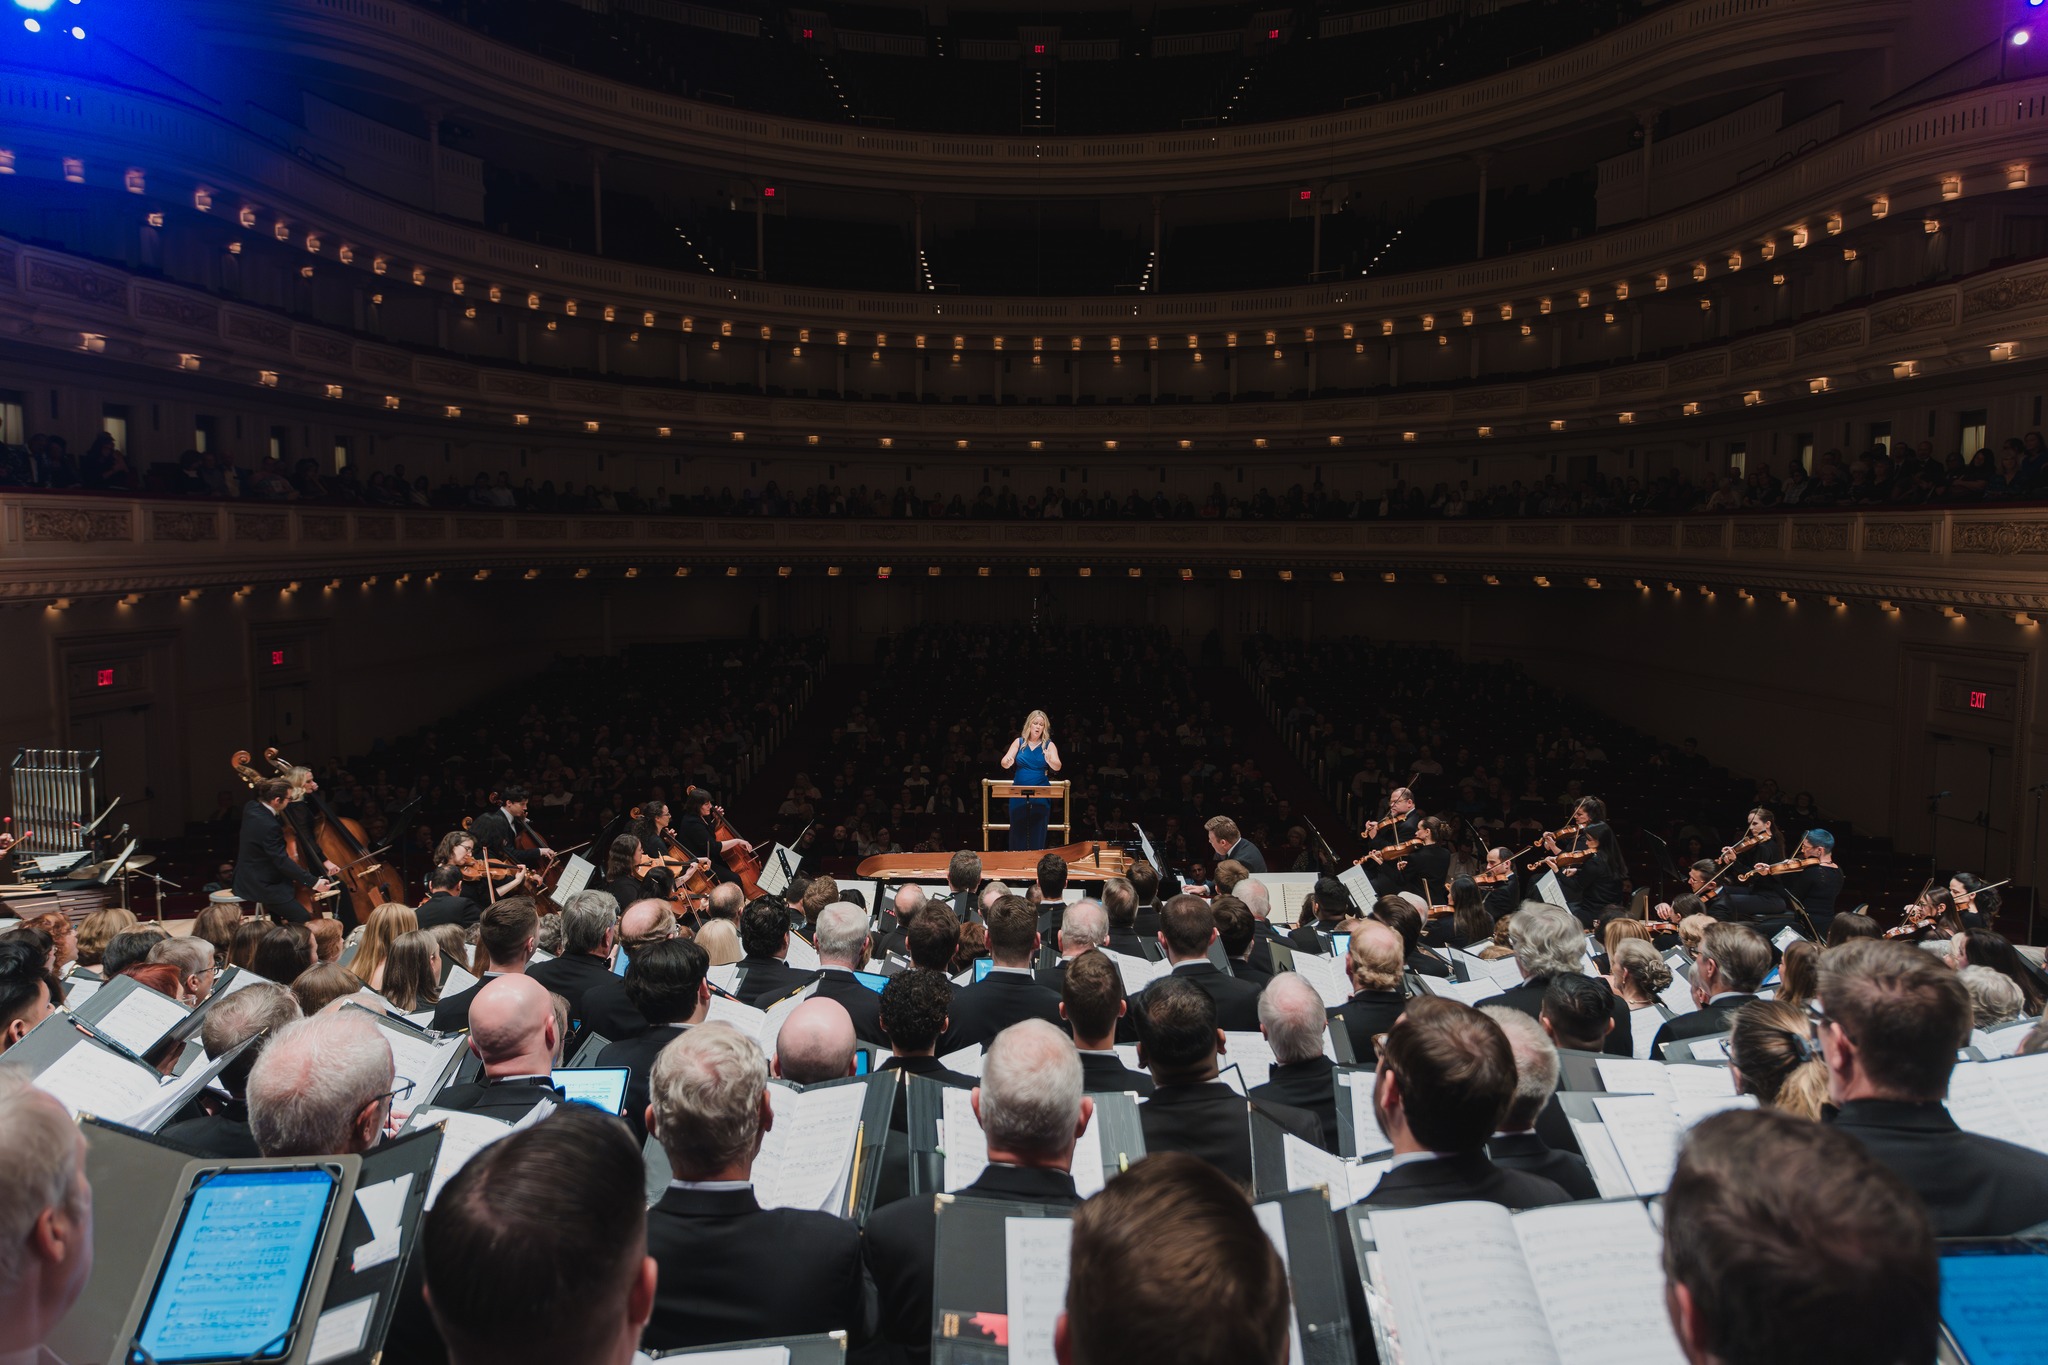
[(1031, 757)]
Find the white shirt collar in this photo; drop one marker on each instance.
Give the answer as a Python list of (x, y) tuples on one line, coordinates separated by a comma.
[(1013, 971), (711, 1184), (1410, 1158)]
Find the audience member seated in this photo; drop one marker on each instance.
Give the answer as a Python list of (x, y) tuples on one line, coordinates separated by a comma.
[(322, 1088), (1032, 1112), (512, 1032), (260, 1012), (1732, 962), (1787, 1244), (1516, 1146), (1548, 941), (1446, 1081), (1010, 993), (1891, 1018), (730, 1269), (1092, 1002), (1292, 1017)]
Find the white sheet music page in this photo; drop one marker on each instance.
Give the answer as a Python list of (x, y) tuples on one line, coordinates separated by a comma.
[(1460, 1287), (462, 1137), (141, 1019), (966, 1146), (1088, 1170), (419, 1060), (1365, 1123), (966, 1060), (92, 1080), (1326, 974), (802, 956), (1137, 972), (1645, 1132), (808, 1150), (725, 1010), (1035, 1252), (1599, 1269), (2006, 1099), (1309, 1166), (1273, 1221), (1251, 1054)]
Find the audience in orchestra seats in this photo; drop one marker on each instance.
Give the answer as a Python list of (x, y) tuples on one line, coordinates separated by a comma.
[(506, 936), (765, 974), (1292, 1017), (1728, 968), (1169, 1263), (1187, 926), (730, 1269), (1891, 1018), (668, 987), (1548, 943), (1010, 993), (46, 1217), (321, 1088), (1032, 1110), (1445, 1082), (590, 935), (1787, 1244), (1374, 967), (29, 991), (1084, 926), (1092, 1003), (1517, 1145), (513, 1031), (258, 1012), (1189, 1109), (817, 1043), (914, 1009), (319, 989), (842, 943), (558, 1212)]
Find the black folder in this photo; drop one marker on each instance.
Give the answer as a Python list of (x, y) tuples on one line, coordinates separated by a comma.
[(1321, 1313), (970, 1287)]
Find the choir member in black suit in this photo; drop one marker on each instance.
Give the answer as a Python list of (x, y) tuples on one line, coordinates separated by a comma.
[(668, 985), (1731, 964), (1092, 1001), (1010, 993), (1517, 1146), (765, 976), (1375, 968), (1292, 1017), (1548, 942), (512, 1029)]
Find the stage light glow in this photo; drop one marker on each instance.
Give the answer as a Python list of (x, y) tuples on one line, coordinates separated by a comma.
[(36, 6), (2020, 37)]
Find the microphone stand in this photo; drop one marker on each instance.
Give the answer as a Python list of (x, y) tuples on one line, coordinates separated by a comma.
[(161, 883)]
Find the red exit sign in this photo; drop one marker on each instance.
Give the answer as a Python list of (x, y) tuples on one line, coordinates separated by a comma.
[(1978, 701), (277, 658), (103, 677)]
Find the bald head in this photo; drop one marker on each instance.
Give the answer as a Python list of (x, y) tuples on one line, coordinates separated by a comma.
[(512, 1027), (1292, 1017), (727, 900), (816, 1043), (908, 901), (1085, 925), (644, 920), (1255, 897)]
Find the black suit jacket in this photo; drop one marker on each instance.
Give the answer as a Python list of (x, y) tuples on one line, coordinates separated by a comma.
[(1248, 854), (864, 1005), (929, 1067), (900, 1246), (1366, 1015), (1528, 998), (610, 1014), (1705, 1022), (508, 1101), (442, 908), (1973, 1186), (1237, 1002), (1130, 944), (986, 1008), (1309, 1085), (734, 1271), (1051, 914), (1446, 1180), (764, 980), (572, 976), (1249, 970), (1106, 1072), (637, 1055), (1309, 938), (1528, 1152), (451, 1012), (224, 1134), (1213, 1122), (264, 874)]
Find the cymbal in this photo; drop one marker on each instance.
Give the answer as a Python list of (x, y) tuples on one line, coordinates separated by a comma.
[(100, 869)]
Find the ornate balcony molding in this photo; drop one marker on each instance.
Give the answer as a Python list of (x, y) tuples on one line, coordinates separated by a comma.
[(1676, 46), (55, 301), (1989, 559)]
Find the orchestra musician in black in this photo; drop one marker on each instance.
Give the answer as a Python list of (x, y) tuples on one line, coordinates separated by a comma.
[(265, 874)]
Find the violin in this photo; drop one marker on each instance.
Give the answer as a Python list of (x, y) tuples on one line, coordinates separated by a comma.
[(1571, 857), (1747, 841), (1919, 917), (1494, 875), (1778, 869), (1392, 851)]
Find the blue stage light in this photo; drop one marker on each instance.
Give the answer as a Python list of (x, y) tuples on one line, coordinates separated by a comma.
[(38, 6)]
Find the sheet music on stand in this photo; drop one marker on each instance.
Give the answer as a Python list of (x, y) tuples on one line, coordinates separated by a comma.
[(576, 876), (1360, 886), (778, 869), (1151, 853), (1551, 891)]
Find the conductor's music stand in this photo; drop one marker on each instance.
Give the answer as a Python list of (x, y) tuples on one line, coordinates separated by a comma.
[(994, 789)]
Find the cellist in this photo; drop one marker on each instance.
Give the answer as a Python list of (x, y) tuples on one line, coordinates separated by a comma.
[(300, 813), (694, 830), (265, 874)]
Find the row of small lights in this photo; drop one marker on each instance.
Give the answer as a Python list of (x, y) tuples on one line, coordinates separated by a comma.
[(1732, 262)]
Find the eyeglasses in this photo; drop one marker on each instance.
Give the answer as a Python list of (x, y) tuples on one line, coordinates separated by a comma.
[(398, 1092), (1816, 1020)]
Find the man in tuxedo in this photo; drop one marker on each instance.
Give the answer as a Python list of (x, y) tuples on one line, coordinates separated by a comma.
[(608, 1009), (505, 940), (1120, 907), (537, 1249), (322, 1087), (816, 1043), (765, 975), (1225, 841), (1238, 932), (1548, 941), (1010, 993), (668, 986), (1186, 929), (1731, 964), (265, 875), (963, 878), (1292, 1017), (1050, 891), (1891, 1019), (730, 1269), (1170, 1263), (913, 1015), (1190, 1110), (512, 1031), (257, 1011), (46, 1220), (1516, 1145), (1092, 1001), (445, 903), (1086, 926), (1032, 1111), (1446, 1078), (497, 831), (590, 935), (1399, 826), (1785, 1241), (1144, 880), (1374, 968), (842, 943)]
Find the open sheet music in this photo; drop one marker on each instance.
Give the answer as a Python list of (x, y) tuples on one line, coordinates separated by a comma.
[(1326, 974), (806, 1158), (1472, 1284), (1347, 1181), (140, 1018), (966, 1147), (2004, 1099), (1137, 972)]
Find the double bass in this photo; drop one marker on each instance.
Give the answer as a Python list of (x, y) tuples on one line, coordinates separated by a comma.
[(240, 761), (343, 843)]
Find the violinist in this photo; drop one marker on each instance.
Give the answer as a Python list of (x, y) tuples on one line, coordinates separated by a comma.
[(1755, 897), (1811, 879), (498, 831), (652, 828), (1976, 901), (696, 831), (1426, 868), (1469, 921), (1501, 884), (1590, 810), (625, 871), (1697, 878), (299, 812), (458, 848), (1398, 826), (1591, 875), (265, 875)]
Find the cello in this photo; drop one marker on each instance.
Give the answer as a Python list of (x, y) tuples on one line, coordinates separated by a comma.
[(745, 866), (343, 843), (240, 761)]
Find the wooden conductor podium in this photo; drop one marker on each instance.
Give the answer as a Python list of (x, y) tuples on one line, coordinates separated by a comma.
[(993, 789)]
